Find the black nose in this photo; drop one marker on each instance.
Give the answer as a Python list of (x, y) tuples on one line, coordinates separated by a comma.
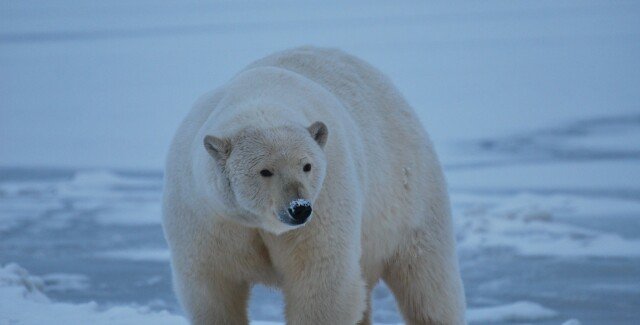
[(300, 213)]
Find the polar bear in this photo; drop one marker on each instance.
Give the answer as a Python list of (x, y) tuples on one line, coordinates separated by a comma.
[(308, 171)]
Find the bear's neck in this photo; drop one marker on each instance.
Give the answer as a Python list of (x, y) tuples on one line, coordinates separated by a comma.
[(269, 107)]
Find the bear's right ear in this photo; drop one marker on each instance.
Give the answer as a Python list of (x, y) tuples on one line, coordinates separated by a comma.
[(319, 132), (218, 148)]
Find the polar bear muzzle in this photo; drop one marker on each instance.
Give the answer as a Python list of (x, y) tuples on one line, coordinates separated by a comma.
[(299, 211)]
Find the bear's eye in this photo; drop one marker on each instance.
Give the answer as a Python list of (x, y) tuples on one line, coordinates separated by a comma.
[(306, 168), (266, 173)]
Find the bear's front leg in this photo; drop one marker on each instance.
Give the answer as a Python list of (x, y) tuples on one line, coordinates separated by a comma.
[(211, 298), (322, 280)]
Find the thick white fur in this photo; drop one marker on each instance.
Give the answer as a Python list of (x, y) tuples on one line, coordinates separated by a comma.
[(381, 212)]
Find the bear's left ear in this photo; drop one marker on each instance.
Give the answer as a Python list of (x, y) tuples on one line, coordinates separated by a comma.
[(319, 132)]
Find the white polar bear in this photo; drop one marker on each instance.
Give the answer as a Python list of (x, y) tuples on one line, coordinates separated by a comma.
[(316, 177)]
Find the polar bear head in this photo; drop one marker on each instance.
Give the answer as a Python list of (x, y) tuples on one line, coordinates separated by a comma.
[(271, 176)]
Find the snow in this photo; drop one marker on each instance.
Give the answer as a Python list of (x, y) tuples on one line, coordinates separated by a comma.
[(533, 225), (518, 311), (572, 321), (110, 198), (299, 202), (65, 282), (528, 223), (101, 179), (23, 302)]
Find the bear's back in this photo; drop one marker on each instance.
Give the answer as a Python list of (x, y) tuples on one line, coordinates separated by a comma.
[(368, 95), (403, 166)]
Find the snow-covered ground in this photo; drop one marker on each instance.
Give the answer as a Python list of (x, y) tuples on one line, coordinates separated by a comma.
[(533, 107)]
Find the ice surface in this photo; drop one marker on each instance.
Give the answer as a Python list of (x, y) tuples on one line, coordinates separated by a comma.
[(553, 175), (156, 255), (97, 227), (110, 198)]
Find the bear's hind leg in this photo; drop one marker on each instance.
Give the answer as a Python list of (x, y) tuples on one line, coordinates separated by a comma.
[(425, 281)]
